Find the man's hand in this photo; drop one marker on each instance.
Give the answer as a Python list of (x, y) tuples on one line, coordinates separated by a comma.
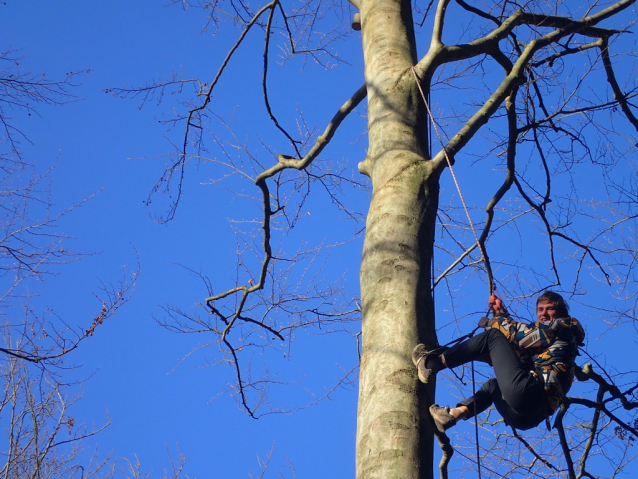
[(496, 305), (484, 322)]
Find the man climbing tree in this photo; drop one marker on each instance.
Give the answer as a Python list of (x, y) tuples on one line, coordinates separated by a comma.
[(540, 73), (534, 364)]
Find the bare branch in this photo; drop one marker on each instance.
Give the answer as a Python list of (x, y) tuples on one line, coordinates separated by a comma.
[(447, 452), (558, 422), (192, 120), (619, 96), (321, 142)]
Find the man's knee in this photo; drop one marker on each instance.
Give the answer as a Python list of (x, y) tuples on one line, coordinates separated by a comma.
[(492, 332), (494, 336)]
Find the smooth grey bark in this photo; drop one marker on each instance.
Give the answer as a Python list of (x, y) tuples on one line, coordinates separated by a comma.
[(393, 439)]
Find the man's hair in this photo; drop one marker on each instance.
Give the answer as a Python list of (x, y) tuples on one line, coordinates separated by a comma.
[(562, 308)]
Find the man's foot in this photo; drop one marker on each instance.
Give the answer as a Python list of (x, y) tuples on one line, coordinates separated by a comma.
[(420, 358), (443, 420)]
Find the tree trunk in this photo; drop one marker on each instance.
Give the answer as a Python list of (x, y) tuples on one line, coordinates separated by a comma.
[(394, 439)]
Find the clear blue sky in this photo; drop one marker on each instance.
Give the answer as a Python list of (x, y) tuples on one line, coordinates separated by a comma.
[(105, 145)]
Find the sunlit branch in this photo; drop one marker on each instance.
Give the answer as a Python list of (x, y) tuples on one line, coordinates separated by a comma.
[(454, 264), (437, 29), (568, 51), (439, 53), (489, 42), (594, 405), (484, 113), (593, 430), (587, 372), (446, 452), (558, 423), (322, 141), (581, 26)]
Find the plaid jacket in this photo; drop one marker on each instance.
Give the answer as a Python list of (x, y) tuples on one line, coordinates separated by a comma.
[(552, 347)]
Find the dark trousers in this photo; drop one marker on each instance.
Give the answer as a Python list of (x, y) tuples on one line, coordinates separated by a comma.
[(516, 393)]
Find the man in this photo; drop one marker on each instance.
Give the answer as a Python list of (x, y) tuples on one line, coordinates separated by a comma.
[(533, 364)]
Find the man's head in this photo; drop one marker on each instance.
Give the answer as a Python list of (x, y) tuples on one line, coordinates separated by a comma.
[(550, 305)]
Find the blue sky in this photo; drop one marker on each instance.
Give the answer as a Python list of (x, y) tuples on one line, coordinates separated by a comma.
[(110, 147)]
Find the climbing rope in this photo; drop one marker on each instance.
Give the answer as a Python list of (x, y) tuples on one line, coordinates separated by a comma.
[(479, 243), (481, 247)]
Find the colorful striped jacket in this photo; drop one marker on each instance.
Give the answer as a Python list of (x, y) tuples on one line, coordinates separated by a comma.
[(551, 346)]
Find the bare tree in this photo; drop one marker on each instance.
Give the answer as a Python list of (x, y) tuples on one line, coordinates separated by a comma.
[(30, 245), (43, 437), (43, 440), (530, 101)]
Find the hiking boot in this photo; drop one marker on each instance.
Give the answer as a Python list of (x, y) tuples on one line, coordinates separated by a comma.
[(443, 420), (420, 359)]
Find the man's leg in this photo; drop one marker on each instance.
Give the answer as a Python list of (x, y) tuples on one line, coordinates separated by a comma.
[(518, 388), (517, 395), (477, 348), (445, 417), (490, 343), (483, 399)]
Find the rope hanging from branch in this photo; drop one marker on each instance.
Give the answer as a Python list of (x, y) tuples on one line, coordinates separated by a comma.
[(479, 243)]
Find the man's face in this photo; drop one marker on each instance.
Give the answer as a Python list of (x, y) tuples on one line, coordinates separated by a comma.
[(546, 311)]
